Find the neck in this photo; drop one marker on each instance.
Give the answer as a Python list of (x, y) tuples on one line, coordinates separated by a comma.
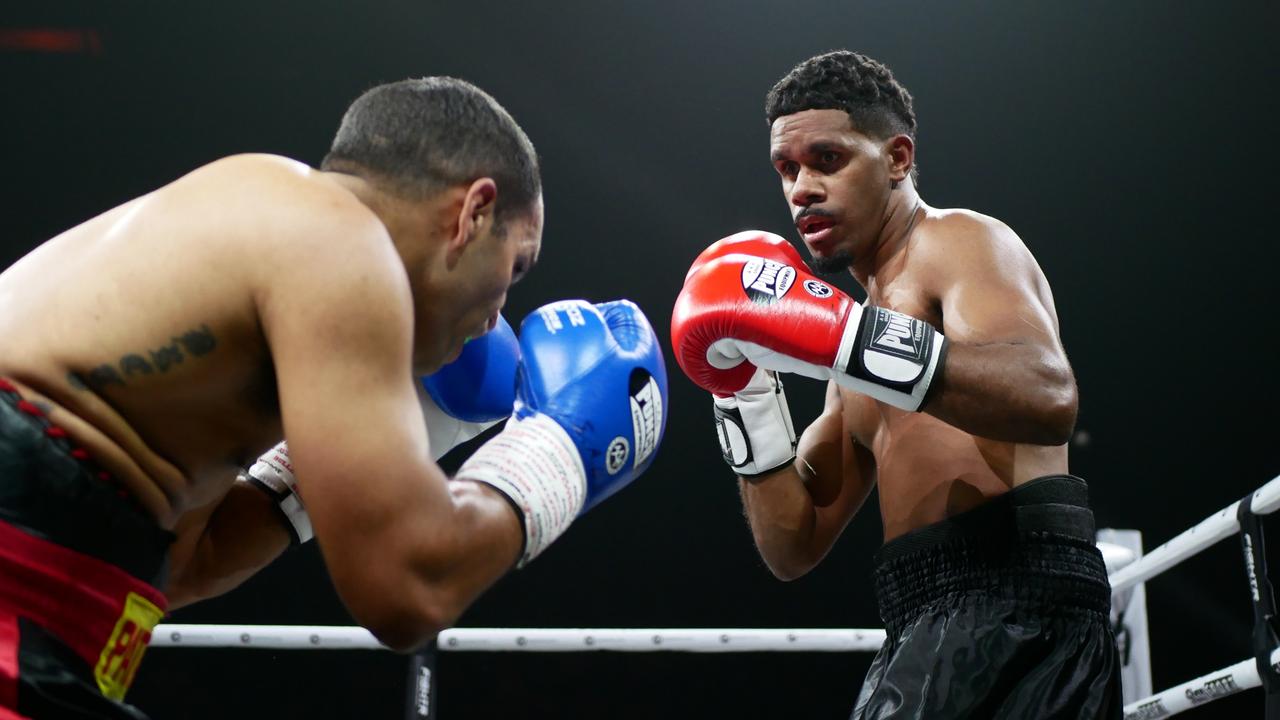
[(406, 221), (388, 209), (903, 211)]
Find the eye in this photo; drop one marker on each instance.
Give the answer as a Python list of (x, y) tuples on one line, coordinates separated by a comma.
[(829, 157), (787, 169), (518, 269)]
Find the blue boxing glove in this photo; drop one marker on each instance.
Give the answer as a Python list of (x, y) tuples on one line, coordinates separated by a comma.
[(471, 394), (590, 410)]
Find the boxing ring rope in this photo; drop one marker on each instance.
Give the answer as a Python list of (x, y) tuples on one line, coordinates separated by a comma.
[(1128, 569), (1229, 680), (322, 637), (1219, 526)]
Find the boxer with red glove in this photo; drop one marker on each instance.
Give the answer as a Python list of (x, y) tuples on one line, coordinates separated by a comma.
[(964, 436)]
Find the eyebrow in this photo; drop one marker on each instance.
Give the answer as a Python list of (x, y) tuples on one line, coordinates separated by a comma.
[(813, 148)]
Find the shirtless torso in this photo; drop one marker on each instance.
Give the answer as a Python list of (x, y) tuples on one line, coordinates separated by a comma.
[(926, 469), (159, 366)]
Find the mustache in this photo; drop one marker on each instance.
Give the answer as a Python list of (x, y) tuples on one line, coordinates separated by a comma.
[(811, 212)]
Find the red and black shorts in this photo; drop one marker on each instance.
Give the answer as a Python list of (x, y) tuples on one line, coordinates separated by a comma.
[(80, 568)]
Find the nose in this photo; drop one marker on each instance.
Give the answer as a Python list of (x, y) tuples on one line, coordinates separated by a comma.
[(807, 190)]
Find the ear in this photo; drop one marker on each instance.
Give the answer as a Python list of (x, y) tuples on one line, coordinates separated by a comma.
[(475, 212), (900, 152)]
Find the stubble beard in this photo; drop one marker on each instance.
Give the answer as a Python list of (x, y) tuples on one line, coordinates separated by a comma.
[(833, 264)]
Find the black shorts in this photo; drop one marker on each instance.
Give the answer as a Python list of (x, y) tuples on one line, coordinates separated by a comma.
[(81, 565), (999, 612)]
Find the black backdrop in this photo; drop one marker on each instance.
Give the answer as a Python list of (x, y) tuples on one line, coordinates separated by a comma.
[(1130, 145)]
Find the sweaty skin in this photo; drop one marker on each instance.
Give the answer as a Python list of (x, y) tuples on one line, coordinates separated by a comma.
[(1005, 404), (181, 334)]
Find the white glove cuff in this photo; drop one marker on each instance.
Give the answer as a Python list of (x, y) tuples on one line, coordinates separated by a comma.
[(754, 426), (273, 474), (889, 356), (445, 432), (534, 462)]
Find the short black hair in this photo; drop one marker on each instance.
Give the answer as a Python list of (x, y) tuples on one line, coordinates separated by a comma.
[(877, 104), (422, 135)]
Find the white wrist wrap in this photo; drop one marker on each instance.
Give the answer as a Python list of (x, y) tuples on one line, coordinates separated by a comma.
[(754, 425), (534, 463), (273, 474)]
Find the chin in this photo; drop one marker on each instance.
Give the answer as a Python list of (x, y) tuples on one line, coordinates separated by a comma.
[(430, 364), (837, 262)]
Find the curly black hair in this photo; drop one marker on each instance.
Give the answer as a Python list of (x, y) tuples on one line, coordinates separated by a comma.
[(876, 102)]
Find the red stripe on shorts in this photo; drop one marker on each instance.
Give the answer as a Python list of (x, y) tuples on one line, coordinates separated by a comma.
[(8, 666)]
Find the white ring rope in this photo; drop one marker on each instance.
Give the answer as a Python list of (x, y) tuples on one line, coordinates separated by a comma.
[(332, 637), (1219, 526), (324, 637), (1193, 693)]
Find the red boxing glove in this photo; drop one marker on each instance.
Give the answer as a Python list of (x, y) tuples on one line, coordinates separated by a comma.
[(749, 242), (742, 310)]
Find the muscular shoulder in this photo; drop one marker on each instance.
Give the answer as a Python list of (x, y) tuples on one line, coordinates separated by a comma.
[(954, 243), (260, 193), (307, 246), (958, 234)]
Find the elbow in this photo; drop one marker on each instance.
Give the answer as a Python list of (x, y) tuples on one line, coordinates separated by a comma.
[(402, 611), (1056, 417), (787, 573), (792, 566), (406, 628)]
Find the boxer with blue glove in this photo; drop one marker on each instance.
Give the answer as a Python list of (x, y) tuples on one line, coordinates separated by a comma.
[(366, 274)]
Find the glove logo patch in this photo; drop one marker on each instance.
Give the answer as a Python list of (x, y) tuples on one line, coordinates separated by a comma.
[(646, 414), (898, 348), (766, 281), (818, 289), (616, 456)]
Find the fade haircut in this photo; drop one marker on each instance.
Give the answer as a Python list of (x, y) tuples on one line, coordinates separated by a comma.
[(420, 136), (876, 103)]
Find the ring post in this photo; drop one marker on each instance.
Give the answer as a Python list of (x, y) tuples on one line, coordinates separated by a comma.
[(1129, 622), (1253, 543), (420, 685)]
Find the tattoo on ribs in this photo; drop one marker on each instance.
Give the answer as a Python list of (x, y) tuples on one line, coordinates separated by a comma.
[(196, 342)]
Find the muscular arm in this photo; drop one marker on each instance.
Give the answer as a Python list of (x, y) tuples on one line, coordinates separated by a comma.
[(407, 551), (1006, 375), (797, 513), (224, 544)]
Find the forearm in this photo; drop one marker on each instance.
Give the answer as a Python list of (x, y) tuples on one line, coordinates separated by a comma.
[(243, 534), (431, 566), (1006, 391), (487, 539), (783, 521)]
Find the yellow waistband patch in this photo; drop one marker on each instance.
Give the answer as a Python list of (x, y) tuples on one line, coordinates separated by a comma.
[(122, 654)]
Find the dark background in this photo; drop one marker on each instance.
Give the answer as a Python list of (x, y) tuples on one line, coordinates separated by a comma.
[(1131, 145)]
